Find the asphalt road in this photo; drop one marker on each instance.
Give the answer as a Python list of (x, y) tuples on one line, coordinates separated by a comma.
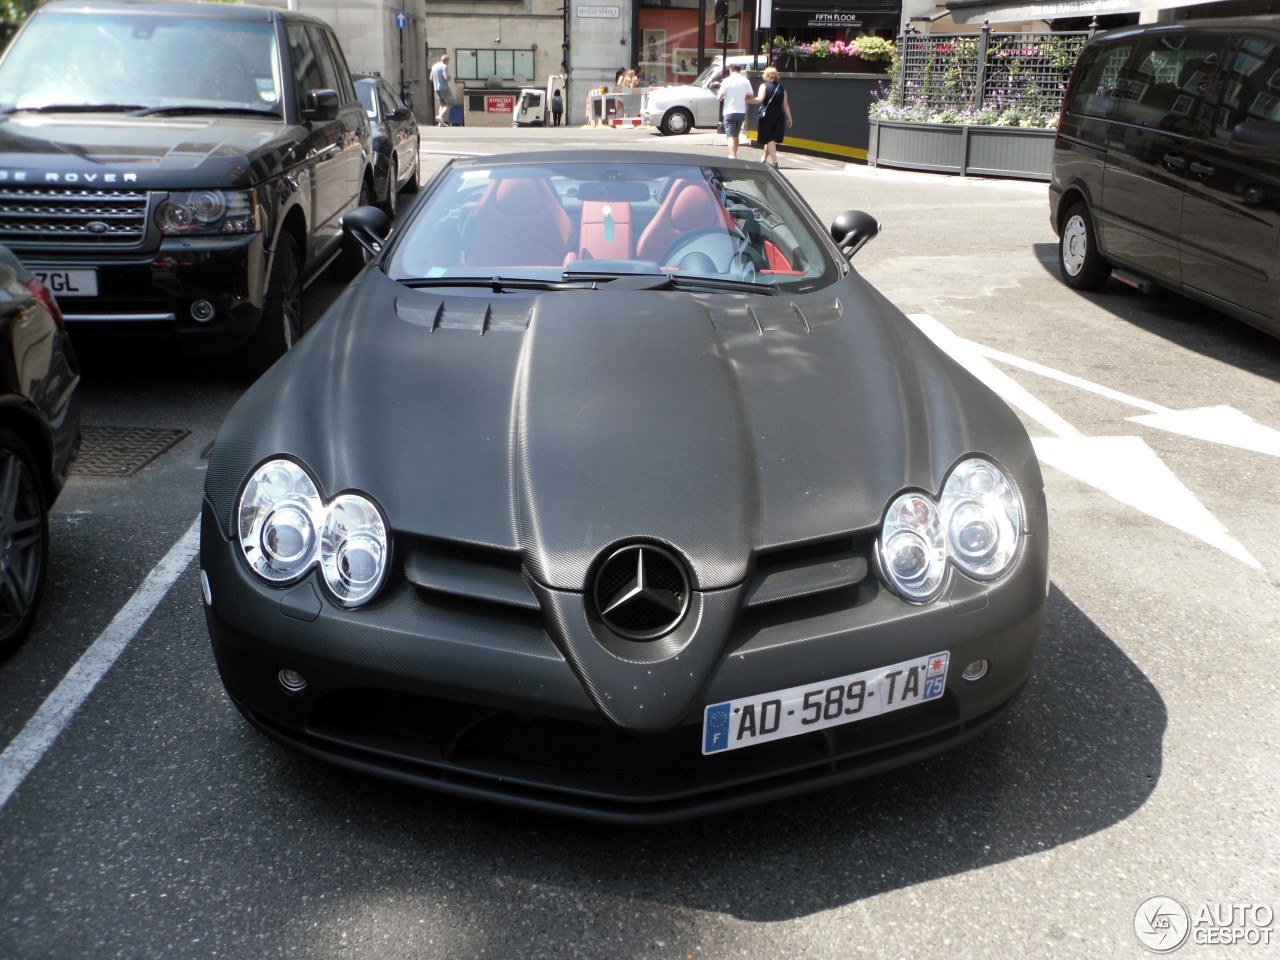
[(1140, 761)]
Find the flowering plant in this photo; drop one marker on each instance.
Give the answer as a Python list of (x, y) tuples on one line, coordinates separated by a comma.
[(945, 80), (871, 49)]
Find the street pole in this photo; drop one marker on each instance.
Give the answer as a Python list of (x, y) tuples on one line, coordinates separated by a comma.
[(722, 22)]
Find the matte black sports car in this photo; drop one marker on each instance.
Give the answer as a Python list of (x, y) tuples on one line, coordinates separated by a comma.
[(610, 488), (395, 141), (39, 437)]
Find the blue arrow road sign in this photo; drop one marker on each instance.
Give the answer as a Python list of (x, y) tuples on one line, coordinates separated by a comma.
[(402, 20)]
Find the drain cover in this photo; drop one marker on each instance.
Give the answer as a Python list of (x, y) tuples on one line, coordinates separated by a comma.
[(122, 451)]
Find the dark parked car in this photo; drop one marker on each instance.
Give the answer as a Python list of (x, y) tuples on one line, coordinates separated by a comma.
[(1166, 165), (39, 437), (180, 169), (395, 142), (611, 488)]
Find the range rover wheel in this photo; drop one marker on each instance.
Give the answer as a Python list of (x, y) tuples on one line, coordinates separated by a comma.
[(1081, 265), (676, 122), (24, 540), (281, 323)]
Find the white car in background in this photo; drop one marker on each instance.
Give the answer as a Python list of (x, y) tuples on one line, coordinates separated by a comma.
[(675, 110)]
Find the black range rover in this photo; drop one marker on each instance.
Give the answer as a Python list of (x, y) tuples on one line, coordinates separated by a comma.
[(180, 169)]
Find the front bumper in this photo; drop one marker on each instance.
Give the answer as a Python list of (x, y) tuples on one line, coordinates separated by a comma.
[(149, 295), (441, 695)]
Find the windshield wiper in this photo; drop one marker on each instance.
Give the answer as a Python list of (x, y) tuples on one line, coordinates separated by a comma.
[(246, 111), (496, 284), (78, 108)]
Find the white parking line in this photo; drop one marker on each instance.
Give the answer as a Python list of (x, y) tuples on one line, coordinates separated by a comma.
[(30, 745)]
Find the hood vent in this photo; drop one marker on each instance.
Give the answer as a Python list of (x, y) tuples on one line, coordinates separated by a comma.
[(760, 318), (464, 313)]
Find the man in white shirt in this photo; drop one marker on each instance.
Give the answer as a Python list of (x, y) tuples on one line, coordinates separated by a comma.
[(735, 94), (444, 93)]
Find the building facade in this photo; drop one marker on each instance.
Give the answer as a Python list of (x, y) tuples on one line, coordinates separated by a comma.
[(496, 47)]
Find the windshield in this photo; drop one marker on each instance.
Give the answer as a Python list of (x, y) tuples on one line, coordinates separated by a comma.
[(708, 75), (576, 219), (141, 61)]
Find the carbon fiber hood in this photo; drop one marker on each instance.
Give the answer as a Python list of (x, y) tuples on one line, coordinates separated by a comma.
[(562, 423)]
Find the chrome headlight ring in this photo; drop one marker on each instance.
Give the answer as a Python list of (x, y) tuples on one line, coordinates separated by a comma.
[(285, 528)]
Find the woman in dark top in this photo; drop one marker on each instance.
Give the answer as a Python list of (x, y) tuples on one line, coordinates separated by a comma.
[(774, 116)]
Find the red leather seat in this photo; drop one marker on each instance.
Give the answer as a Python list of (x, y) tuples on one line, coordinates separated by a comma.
[(519, 222), (689, 205)]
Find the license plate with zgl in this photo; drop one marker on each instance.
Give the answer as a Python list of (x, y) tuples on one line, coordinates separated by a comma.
[(829, 703)]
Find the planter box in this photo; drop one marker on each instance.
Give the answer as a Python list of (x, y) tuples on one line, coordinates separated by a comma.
[(961, 148), (832, 65)]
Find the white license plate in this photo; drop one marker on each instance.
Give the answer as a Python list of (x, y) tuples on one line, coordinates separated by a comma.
[(828, 703), (68, 283)]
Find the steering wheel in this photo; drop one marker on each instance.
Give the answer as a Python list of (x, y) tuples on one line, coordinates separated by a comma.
[(714, 243)]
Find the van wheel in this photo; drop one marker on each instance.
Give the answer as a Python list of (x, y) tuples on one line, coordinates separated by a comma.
[(24, 540), (389, 203), (281, 323), (676, 122), (1081, 265), (411, 186)]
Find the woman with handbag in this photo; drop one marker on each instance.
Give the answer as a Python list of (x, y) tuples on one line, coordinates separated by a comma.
[(774, 116)]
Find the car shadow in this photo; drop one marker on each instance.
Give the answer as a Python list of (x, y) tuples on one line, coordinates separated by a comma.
[(1080, 751), (1182, 321)]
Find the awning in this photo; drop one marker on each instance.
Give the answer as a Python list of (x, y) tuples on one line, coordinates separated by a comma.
[(1006, 11)]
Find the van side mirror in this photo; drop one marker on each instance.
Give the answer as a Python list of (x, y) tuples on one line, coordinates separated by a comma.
[(852, 229), (321, 105)]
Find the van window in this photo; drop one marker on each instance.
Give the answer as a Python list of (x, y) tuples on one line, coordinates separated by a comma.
[(1250, 87), (1094, 91), (1165, 82)]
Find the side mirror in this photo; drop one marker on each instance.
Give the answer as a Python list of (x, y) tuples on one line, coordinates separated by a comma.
[(1262, 134), (321, 105), (852, 229), (367, 226)]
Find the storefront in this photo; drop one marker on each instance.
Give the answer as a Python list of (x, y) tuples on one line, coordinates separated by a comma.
[(668, 34), (809, 20)]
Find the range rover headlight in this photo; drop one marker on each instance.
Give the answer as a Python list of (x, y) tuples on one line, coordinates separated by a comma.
[(205, 212), (286, 528), (913, 550), (983, 519)]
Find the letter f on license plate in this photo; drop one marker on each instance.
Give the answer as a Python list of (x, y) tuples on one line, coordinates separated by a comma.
[(788, 713)]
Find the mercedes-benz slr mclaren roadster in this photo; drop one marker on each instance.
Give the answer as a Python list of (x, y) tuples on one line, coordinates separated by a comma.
[(610, 488)]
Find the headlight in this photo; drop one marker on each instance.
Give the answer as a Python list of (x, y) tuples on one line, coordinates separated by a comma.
[(913, 549), (353, 549), (983, 517), (285, 528), (208, 212), (977, 525)]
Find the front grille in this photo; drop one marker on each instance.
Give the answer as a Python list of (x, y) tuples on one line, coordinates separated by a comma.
[(111, 218)]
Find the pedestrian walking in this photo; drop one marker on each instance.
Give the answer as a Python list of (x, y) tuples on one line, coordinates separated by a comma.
[(444, 93), (774, 116), (557, 107), (734, 93)]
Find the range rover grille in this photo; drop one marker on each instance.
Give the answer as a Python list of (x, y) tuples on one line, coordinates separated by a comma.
[(72, 214)]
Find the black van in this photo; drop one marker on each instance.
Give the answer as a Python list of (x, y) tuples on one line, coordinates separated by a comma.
[(180, 170), (1166, 166)]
